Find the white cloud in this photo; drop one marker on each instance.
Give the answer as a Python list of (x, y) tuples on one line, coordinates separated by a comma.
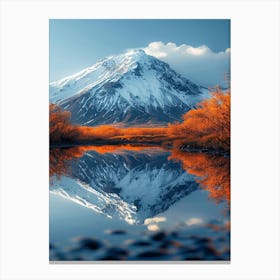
[(154, 220), (153, 227), (194, 221), (199, 64), (152, 223)]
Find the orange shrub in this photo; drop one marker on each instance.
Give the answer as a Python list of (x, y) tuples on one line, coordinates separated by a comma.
[(206, 126)]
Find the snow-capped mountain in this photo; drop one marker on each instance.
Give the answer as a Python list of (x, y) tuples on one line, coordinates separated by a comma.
[(131, 88), (131, 185)]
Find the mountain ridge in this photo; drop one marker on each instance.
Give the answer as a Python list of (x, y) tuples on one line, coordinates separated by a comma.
[(131, 88)]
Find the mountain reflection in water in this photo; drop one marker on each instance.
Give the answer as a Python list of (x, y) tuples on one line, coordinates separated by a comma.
[(136, 184), (212, 172)]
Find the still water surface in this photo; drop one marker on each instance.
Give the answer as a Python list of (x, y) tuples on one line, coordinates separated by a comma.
[(138, 203)]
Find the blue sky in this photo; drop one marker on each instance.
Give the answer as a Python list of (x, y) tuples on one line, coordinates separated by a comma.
[(76, 44)]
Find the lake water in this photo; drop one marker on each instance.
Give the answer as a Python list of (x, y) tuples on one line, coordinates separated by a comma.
[(138, 203)]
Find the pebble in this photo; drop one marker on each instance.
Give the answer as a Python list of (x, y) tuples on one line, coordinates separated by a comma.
[(117, 231), (141, 243), (158, 236), (90, 243), (117, 251), (151, 255)]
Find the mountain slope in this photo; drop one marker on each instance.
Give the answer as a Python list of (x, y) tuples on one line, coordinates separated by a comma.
[(131, 88)]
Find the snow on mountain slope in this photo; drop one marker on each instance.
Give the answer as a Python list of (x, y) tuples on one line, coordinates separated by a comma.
[(100, 202), (133, 88), (130, 185)]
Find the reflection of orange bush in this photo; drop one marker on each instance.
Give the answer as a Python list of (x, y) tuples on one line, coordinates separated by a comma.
[(213, 172), (59, 161), (104, 149)]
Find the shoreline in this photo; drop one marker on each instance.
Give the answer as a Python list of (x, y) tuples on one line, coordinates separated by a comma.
[(210, 151)]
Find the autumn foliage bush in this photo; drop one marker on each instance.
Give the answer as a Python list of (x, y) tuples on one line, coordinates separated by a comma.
[(206, 126), (107, 131), (63, 132), (60, 129)]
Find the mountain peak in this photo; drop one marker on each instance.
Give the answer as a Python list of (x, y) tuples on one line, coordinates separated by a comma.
[(132, 87), (136, 54), (129, 59)]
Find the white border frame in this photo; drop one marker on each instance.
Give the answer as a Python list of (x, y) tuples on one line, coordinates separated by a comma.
[(255, 137)]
